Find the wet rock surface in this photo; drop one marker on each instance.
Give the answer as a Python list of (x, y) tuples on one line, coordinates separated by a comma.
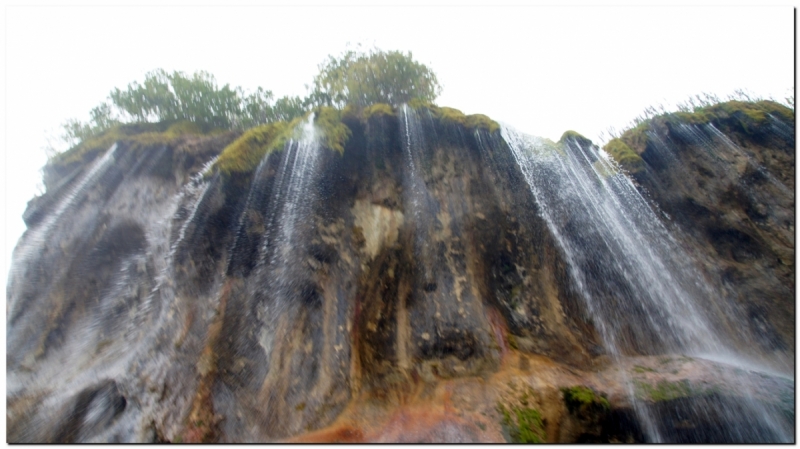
[(408, 290), (730, 192)]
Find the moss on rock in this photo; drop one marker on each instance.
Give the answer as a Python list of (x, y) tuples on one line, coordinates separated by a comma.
[(334, 133), (377, 109), (455, 116), (747, 115), (480, 121), (576, 136), (522, 422), (666, 391), (244, 153), (731, 116), (624, 155), (581, 400), (144, 134)]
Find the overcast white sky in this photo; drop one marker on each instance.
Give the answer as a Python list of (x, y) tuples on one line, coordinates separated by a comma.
[(540, 69)]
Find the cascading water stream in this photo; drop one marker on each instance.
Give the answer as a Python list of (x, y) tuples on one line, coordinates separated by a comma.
[(723, 151), (291, 197), (729, 144), (101, 357), (624, 263), (781, 128), (199, 191), (582, 202), (417, 195), (37, 238)]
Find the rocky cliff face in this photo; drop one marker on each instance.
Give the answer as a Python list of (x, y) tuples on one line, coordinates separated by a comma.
[(441, 279)]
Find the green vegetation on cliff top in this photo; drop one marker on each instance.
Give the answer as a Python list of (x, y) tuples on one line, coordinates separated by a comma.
[(454, 116), (354, 85), (141, 133), (244, 154), (732, 116), (748, 114), (334, 132), (624, 155), (576, 136), (363, 78)]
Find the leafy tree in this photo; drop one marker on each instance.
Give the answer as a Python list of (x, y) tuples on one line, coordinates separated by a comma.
[(149, 101), (258, 109), (376, 76), (199, 100), (355, 77), (102, 118), (175, 96), (288, 108)]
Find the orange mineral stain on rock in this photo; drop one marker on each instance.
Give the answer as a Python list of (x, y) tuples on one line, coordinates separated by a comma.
[(423, 418), (202, 421)]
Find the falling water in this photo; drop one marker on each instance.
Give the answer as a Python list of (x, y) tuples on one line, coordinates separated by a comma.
[(417, 195), (624, 263), (728, 143), (292, 195), (96, 170), (782, 129), (199, 192), (594, 211), (38, 237)]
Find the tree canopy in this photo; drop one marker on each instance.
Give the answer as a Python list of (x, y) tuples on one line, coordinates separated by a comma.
[(376, 76), (354, 77)]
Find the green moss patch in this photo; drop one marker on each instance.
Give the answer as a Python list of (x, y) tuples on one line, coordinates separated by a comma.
[(480, 121), (576, 136), (730, 116), (184, 127), (747, 114), (377, 109), (454, 116), (145, 134), (666, 391), (522, 422), (244, 153), (582, 400), (624, 155), (643, 369), (744, 116), (334, 133)]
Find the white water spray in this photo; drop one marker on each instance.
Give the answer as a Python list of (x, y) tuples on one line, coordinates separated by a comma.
[(623, 261)]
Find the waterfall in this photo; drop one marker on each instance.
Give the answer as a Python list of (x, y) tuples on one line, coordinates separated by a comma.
[(728, 143), (417, 195), (199, 191), (616, 246), (95, 171), (37, 238), (291, 196), (638, 284)]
